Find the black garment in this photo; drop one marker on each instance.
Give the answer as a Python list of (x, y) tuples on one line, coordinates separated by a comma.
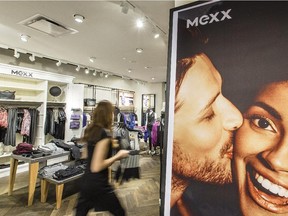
[(203, 199), (150, 122), (95, 188)]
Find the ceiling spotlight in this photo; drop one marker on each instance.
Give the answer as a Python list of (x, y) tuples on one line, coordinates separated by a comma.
[(92, 59), (79, 18), (139, 23), (106, 75), (58, 63), (86, 71), (32, 58), (25, 38), (129, 70), (77, 68), (16, 54), (94, 73), (139, 50), (153, 78), (156, 35)]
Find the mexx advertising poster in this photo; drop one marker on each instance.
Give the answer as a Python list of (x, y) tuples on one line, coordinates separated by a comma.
[(226, 137)]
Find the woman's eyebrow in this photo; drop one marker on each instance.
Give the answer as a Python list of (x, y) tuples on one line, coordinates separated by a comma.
[(269, 109)]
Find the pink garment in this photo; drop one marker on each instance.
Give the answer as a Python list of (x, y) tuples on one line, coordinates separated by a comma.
[(3, 118), (26, 122), (154, 133)]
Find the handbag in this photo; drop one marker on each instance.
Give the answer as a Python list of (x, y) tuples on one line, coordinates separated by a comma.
[(74, 125), (75, 117), (6, 94)]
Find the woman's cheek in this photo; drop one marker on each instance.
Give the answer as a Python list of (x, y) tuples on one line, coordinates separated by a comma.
[(246, 141)]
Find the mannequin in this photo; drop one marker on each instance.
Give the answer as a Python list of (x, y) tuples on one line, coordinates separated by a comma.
[(150, 119)]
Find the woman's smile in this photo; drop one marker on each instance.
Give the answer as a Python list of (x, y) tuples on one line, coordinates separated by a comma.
[(265, 192)]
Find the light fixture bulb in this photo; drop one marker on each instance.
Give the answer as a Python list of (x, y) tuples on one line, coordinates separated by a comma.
[(24, 37), (106, 75), (77, 68), (86, 71), (79, 18), (58, 63), (139, 50), (92, 59), (94, 73), (139, 23), (156, 35), (16, 54), (32, 58)]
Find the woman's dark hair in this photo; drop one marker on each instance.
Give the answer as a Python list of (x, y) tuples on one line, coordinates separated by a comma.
[(102, 118)]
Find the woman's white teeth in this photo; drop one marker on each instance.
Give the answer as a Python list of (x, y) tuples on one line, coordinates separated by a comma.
[(273, 188)]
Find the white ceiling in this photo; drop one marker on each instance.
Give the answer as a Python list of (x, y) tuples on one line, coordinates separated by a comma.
[(107, 34)]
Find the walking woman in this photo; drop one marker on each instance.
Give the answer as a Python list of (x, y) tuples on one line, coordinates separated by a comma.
[(96, 192)]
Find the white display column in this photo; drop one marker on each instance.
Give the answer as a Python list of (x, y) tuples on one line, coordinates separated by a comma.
[(74, 105)]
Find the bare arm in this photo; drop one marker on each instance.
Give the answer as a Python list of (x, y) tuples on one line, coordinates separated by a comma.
[(99, 161)]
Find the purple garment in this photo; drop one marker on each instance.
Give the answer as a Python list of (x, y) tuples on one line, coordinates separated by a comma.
[(154, 133)]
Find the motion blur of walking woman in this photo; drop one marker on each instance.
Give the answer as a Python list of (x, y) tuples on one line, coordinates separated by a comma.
[(96, 192)]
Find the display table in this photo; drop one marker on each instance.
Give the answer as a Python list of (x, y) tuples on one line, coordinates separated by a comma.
[(33, 171)]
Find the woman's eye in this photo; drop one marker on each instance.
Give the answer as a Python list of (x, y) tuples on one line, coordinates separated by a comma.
[(263, 123)]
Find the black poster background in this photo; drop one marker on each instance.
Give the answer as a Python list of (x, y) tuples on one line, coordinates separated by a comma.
[(248, 50)]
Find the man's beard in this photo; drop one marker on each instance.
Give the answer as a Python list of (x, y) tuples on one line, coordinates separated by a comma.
[(207, 170)]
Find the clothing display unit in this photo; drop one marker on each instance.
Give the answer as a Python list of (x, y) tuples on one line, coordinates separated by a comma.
[(31, 89)]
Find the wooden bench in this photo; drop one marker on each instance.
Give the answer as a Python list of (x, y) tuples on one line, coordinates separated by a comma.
[(59, 186)]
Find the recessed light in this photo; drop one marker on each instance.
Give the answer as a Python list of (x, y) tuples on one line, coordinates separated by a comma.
[(79, 18), (92, 59), (139, 50), (153, 78), (139, 23), (24, 37), (129, 70), (147, 67), (156, 35)]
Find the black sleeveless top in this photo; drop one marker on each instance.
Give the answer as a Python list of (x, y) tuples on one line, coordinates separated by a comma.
[(97, 182)]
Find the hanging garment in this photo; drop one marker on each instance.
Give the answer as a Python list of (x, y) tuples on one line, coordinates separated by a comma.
[(3, 118), (25, 128), (154, 133), (10, 136)]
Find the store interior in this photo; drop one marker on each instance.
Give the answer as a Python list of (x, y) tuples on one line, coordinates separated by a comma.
[(49, 60)]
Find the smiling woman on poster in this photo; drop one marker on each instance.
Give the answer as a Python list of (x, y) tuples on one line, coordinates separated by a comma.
[(261, 153)]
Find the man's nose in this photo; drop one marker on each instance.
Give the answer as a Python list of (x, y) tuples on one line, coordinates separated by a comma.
[(232, 118), (277, 156)]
